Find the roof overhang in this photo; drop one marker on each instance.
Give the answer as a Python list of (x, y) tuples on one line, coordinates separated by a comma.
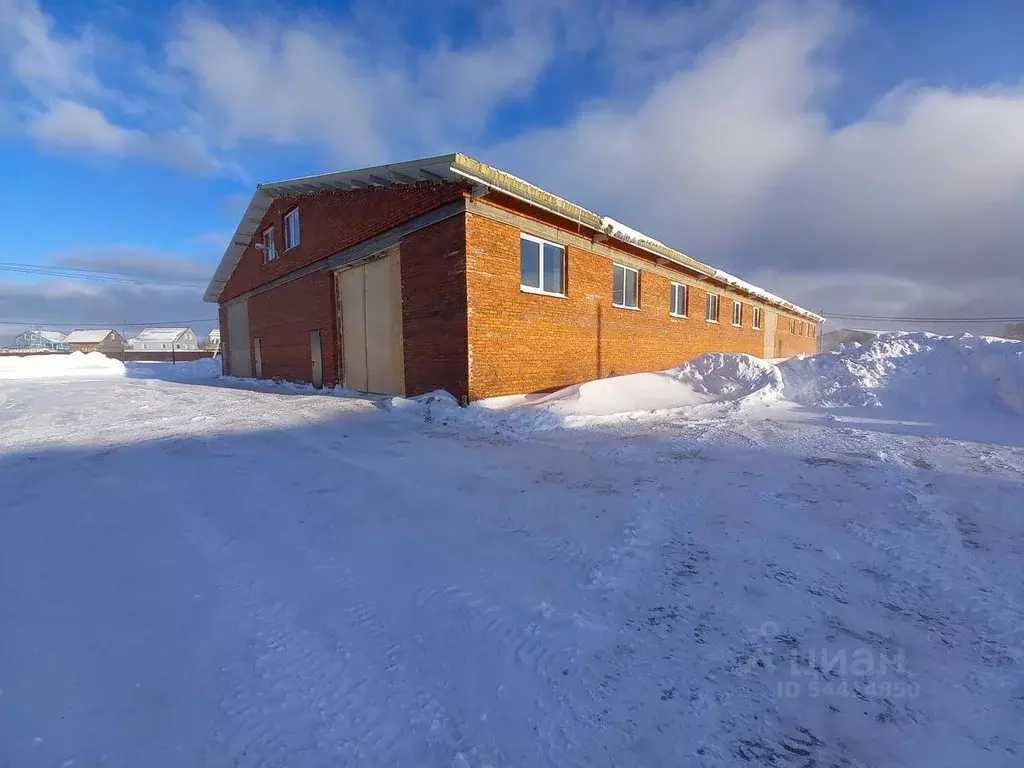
[(460, 167)]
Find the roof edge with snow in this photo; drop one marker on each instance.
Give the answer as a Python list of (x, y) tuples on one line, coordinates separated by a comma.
[(161, 334), (460, 167)]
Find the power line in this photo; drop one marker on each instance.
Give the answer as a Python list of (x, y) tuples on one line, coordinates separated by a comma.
[(841, 316), (117, 324), (89, 274)]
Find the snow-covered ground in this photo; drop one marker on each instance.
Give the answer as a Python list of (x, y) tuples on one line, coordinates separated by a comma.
[(811, 563)]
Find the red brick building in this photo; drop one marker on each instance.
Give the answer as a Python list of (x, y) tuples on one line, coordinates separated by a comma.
[(445, 273)]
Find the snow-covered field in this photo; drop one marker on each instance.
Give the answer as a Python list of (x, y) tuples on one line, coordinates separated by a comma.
[(731, 563)]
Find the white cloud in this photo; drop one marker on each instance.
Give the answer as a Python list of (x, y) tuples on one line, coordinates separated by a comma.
[(65, 305), (63, 103), (913, 209), (931, 180), (137, 263), (168, 287), (70, 125), (708, 127), (311, 81), (279, 84), (44, 63), (706, 142), (77, 126)]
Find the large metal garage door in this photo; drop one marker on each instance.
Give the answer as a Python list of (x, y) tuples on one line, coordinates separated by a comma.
[(371, 325), (239, 359)]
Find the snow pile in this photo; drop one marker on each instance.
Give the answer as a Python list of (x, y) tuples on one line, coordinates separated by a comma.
[(436, 405), (710, 378), (75, 365), (918, 371), (713, 377), (910, 371)]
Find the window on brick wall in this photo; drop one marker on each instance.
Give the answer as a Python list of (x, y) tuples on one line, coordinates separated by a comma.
[(755, 318), (269, 249), (792, 326), (625, 287), (737, 313), (677, 300), (291, 229), (541, 266), (711, 309)]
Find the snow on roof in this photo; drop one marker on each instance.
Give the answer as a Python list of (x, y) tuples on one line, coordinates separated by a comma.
[(55, 336), (761, 293), (620, 231), (89, 336), (160, 334), (453, 167)]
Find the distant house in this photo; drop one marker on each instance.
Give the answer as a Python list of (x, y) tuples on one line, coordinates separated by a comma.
[(105, 340), (165, 340), (213, 340), (51, 340)]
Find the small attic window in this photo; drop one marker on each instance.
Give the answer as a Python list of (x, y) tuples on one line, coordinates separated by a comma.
[(269, 249), (291, 229)]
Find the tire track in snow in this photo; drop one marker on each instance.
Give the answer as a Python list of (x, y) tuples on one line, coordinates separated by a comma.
[(298, 693), (507, 641)]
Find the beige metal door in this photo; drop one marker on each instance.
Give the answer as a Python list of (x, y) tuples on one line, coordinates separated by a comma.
[(352, 295), (371, 323), (239, 359), (771, 322)]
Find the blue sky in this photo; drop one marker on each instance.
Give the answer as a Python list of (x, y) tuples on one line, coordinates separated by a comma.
[(859, 156)]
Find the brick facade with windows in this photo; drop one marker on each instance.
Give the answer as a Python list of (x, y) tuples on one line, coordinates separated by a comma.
[(472, 321), (527, 342)]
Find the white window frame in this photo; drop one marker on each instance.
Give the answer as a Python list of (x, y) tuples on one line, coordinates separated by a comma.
[(292, 227), (737, 306), (712, 298), (269, 245), (755, 318), (624, 268), (541, 242), (671, 299)]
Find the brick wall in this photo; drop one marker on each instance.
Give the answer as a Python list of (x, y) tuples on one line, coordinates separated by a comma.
[(434, 308), (282, 319), (524, 342), (330, 222)]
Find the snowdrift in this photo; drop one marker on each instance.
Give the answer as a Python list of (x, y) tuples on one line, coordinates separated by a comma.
[(713, 377), (75, 365), (910, 372)]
